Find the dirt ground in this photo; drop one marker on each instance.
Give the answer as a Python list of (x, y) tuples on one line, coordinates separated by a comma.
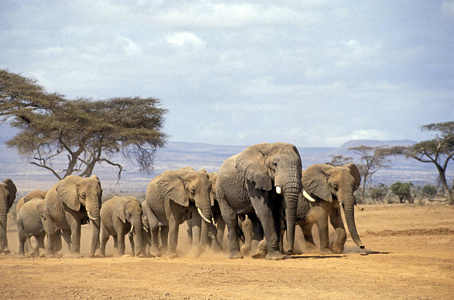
[(409, 255)]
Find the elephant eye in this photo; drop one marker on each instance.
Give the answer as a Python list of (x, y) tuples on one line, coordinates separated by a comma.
[(335, 186), (83, 195), (193, 190)]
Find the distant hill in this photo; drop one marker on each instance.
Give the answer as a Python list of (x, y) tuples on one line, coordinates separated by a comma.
[(210, 157)]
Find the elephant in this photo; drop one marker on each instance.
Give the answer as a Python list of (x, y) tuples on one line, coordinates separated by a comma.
[(68, 204), (29, 223), (328, 188), (258, 179), (170, 200), (39, 194), (119, 216), (33, 194), (7, 196), (215, 230)]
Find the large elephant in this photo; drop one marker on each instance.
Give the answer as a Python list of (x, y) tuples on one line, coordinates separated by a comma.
[(29, 223), (119, 216), (70, 203), (258, 179), (7, 196), (328, 188), (170, 200)]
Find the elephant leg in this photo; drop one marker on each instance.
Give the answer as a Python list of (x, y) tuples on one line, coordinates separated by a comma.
[(22, 240), (173, 238), (164, 238), (336, 220), (104, 239), (196, 224), (257, 232), (231, 220), (310, 246), (247, 229), (220, 229), (322, 224), (121, 244), (39, 244), (131, 242), (266, 216), (66, 237)]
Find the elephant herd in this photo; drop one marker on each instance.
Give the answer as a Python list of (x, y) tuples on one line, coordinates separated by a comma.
[(260, 195)]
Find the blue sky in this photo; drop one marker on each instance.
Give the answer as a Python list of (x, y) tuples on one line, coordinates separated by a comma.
[(312, 73)]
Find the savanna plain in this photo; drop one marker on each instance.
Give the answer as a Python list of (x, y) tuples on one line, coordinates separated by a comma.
[(409, 255)]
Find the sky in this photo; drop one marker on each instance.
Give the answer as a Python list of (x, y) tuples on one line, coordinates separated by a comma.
[(312, 73)]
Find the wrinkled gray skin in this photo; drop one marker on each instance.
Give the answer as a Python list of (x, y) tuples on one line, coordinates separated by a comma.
[(7, 196), (170, 200), (121, 216), (30, 224), (258, 179), (331, 187), (69, 204), (215, 230), (38, 194)]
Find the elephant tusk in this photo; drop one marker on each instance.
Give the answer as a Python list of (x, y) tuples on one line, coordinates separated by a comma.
[(278, 190), (203, 217), (144, 228), (307, 196), (90, 216), (214, 222), (132, 229)]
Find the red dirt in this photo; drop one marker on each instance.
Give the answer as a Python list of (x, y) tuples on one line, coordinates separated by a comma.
[(409, 255)]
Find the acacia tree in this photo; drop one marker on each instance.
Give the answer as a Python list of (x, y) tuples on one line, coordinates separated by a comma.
[(438, 151), (339, 160), (84, 132), (372, 159)]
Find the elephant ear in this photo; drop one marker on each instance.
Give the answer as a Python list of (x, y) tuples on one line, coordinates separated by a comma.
[(251, 162), (171, 186), (119, 209), (315, 179), (355, 173), (11, 187), (67, 192), (213, 178)]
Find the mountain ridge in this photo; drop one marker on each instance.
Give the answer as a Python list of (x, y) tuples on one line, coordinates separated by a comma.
[(178, 154)]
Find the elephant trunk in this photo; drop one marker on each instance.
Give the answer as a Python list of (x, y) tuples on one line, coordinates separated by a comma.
[(291, 189), (93, 212), (138, 228), (348, 204)]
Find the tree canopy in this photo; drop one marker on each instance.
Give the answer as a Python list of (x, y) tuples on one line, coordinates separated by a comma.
[(372, 160), (83, 131), (438, 151)]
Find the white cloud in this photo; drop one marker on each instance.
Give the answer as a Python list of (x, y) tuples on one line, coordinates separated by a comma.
[(184, 38)]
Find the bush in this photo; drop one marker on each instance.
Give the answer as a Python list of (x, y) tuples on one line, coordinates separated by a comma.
[(429, 191)]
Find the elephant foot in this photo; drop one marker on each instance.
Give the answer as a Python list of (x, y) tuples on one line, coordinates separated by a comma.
[(171, 254), (154, 251), (5, 251), (261, 251), (325, 251), (21, 255), (275, 255), (337, 248), (245, 250), (235, 255), (74, 255)]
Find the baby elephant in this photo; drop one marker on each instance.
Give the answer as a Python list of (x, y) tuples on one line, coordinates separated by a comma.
[(30, 223), (119, 216)]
